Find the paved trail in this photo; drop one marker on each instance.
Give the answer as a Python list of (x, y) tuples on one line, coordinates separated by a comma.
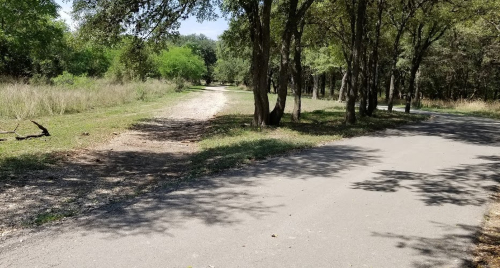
[(411, 197)]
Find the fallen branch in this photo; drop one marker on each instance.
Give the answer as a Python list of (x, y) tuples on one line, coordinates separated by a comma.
[(45, 132), (10, 132)]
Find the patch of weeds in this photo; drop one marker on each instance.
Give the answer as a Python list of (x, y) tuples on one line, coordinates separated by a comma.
[(51, 216)]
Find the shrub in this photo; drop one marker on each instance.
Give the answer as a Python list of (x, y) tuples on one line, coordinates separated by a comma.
[(180, 62)]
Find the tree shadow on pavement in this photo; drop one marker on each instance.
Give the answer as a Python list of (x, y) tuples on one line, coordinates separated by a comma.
[(451, 248), (472, 130), (465, 185), (220, 200)]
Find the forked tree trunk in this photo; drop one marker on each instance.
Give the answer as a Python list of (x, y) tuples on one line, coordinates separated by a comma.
[(413, 75), (279, 108), (259, 19), (350, 116), (373, 101), (294, 15)]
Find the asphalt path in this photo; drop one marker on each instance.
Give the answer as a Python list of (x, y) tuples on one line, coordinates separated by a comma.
[(408, 197)]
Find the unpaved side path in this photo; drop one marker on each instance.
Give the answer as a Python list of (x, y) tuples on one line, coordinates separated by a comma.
[(154, 151)]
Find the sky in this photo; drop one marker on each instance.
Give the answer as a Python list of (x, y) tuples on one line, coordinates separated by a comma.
[(212, 29)]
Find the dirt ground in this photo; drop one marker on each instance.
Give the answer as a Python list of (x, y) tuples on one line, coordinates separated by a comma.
[(154, 152), (487, 252)]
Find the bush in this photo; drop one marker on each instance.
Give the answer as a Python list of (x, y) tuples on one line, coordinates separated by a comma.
[(68, 79), (234, 70), (180, 62)]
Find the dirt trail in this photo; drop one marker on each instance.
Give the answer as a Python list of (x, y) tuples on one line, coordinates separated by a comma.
[(155, 150)]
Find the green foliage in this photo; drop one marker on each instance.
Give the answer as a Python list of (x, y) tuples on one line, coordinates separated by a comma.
[(132, 60), (232, 70), (231, 67), (85, 57), (324, 59), (107, 20), (203, 47), (68, 79), (30, 38), (180, 62)]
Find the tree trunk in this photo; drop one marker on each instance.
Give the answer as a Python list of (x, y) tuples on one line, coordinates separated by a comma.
[(411, 87), (297, 78), (259, 19), (342, 88), (364, 86), (332, 84), (417, 90), (391, 91), (373, 101), (350, 117), (322, 85), (269, 81), (315, 86)]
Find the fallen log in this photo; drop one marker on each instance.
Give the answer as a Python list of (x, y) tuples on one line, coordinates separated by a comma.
[(45, 132)]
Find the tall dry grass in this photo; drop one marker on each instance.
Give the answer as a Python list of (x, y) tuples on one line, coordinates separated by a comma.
[(23, 101), (463, 105)]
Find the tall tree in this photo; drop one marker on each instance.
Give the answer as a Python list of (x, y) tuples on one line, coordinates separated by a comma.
[(258, 14), (295, 14), (399, 13), (357, 28)]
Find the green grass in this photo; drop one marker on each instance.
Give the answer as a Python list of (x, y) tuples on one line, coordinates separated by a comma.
[(196, 87), (67, 132), (232, 142), (51, 216)]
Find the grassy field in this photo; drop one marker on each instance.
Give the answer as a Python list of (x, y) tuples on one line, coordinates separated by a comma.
[(77, 129), (232, 142), (24, 101)]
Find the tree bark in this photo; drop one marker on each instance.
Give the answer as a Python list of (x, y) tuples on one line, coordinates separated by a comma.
[(350, 117), (315, 86), (322, 85), (259, 19), (391, 91), (364, 87), (297, 72), (417, 90), (343, 88), (293, 16), (332, 84), (373, 101)]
